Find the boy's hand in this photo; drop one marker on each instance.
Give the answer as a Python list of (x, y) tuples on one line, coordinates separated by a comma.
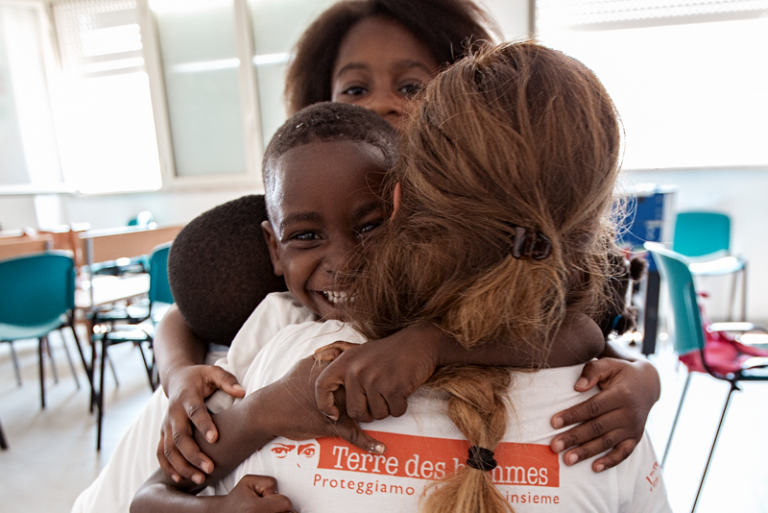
[(254, 494), (291, 411), (614, 418), (378, 376), (177, 452)]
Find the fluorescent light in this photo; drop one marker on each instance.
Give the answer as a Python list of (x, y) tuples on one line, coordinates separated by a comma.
[(271, 58)]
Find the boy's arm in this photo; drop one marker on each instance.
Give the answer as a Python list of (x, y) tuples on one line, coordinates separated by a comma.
[(380, 375), (253, 494), (180, 355), (284, 408)]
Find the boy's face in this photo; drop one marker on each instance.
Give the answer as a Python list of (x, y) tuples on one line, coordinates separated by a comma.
[(324, 203)]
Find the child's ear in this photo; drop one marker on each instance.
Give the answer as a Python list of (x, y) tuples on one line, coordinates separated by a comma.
[(274, 255)]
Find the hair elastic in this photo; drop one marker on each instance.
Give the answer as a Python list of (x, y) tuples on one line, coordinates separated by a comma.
[(481, 458), (528, 243)]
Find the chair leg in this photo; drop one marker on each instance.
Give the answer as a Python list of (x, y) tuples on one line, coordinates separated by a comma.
[(114, 372), (94, 392), (41, 370), (16, 366), (86, 366), (714, 443), (677, 416), (147, 367), (744, 293), (100, 394), (3, 442), (47, 344), (69, 359)]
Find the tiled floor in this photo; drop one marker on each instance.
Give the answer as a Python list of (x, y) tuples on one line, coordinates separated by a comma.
[(52, 455)]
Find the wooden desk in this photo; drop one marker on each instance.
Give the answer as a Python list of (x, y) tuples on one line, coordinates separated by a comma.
[(109, 245)]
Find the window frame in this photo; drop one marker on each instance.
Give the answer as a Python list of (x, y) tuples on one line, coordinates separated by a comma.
[(249, 94), (250, 115)]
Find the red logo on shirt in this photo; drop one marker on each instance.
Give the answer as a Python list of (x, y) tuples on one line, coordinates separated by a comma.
[(431, 458)]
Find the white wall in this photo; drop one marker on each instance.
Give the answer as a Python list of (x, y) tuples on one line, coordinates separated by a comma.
[(512, 16)]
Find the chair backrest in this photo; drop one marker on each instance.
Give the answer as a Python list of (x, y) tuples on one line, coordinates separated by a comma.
[(159, 286), (689, 334), (702, 233), (13, 247), (36, 289)]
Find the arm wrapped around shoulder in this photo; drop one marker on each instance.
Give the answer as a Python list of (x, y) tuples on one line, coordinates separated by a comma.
[(219, 268)]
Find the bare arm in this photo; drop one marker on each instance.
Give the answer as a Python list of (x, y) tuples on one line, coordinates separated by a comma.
[(180, 357), (578, 341), (176, 347), (380, 375), (245, 428)]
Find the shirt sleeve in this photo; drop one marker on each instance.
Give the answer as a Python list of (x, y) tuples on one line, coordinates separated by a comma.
[(277, 311)]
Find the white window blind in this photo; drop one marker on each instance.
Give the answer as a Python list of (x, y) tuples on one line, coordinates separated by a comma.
[(99, 37), (107, 130), (575, 13)]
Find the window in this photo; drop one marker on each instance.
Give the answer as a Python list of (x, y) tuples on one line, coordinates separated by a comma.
[(277, 26), (144, 94), (690, 80), (29, 155), (107, 139)]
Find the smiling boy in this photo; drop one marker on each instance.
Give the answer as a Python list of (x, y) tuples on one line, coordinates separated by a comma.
[(322, 200), (322, 171)]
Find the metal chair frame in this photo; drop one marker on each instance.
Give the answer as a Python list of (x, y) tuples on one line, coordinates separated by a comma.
[(689, 337), (111, 332)]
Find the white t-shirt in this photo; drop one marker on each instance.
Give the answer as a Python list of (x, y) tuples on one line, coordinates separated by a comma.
[(328, 475), (276, 311), (134, 459)]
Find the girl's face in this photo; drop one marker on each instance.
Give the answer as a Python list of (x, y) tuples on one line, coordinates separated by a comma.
[(380, 65)]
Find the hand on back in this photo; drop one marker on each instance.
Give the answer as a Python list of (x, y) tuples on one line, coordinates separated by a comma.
[(614, 419), (379, 376)]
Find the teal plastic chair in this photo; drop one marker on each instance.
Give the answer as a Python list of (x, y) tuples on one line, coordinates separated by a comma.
[(38, 297), (118, 327), (705, 237), (690, 338)]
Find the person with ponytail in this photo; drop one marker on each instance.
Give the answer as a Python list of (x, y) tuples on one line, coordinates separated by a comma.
[(501, 223)]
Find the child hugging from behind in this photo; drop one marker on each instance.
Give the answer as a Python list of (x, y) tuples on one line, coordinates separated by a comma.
[(323, 172)]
